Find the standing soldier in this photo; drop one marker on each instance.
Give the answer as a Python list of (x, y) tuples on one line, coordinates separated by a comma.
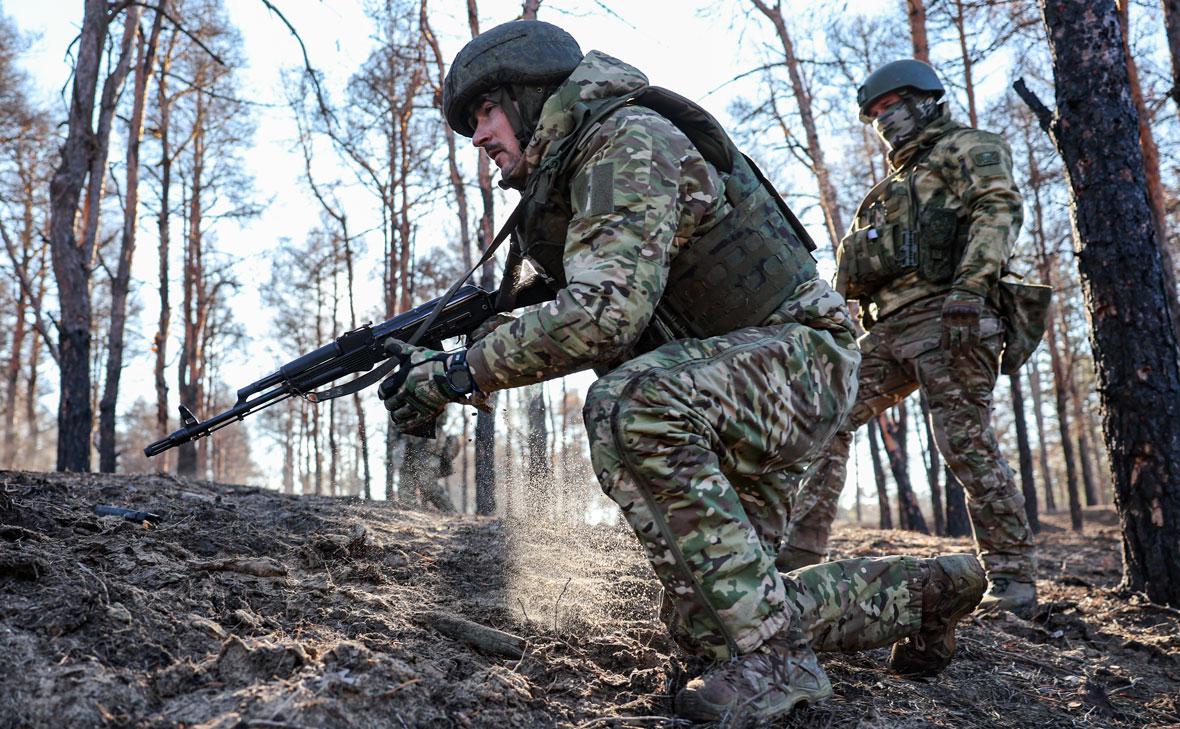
[(682, 277), (924, 258)]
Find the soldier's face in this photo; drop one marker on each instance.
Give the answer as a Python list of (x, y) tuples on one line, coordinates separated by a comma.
[(883, 103), (494, 135)]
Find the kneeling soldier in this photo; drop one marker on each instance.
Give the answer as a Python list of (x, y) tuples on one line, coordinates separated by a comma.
[(681, 277)]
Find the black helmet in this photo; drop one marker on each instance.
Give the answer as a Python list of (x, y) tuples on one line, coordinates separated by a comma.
[(906, 74), (518, 53)]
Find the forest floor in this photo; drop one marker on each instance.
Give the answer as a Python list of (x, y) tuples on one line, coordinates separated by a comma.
[(245, 608)]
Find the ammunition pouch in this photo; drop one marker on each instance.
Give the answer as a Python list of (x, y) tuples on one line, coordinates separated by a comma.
[(869, 259), (1024, 309), (940, 246)]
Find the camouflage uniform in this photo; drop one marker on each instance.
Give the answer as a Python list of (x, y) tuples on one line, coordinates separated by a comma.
[(425, 466), (951, 177), (700, 441)]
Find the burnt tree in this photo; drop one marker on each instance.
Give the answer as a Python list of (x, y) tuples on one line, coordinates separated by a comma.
[(893, 435), (1096, 131), (1027, 483), (82, 154), (885, 520)]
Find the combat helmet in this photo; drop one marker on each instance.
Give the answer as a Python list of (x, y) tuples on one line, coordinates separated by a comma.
[(908, 73), (526, 58)]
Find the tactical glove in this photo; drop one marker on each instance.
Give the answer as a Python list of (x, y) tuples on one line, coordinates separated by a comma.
[(416, 393), (960, 323)]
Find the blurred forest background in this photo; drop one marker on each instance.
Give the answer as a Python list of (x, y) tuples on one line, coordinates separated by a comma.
[(142, 157)]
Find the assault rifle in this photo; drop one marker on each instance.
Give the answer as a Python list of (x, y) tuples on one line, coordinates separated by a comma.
[(359, 350)]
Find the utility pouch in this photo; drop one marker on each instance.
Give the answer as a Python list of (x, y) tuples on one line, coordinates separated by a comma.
[(937, 234), (1024, 309), (871, 258)]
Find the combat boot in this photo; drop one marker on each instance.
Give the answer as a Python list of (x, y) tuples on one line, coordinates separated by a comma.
[(791, 558), (1009, 593), (764, 684), (951, 591)]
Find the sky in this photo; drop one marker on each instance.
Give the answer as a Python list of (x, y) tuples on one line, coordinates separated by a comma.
[(696, 49)]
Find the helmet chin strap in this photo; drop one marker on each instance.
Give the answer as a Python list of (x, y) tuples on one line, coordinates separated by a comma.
[(505, 98), (522, 105)]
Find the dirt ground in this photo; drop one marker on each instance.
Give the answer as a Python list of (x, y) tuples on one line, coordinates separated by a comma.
[(245, 608)]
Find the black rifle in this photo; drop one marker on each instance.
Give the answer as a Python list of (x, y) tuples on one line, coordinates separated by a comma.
[(359, 350)]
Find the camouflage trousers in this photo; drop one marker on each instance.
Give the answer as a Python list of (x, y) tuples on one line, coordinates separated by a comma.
[(702, 443), (858, 604), (846, 605), (901, 354)]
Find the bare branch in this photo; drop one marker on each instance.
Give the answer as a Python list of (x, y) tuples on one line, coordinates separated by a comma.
[(26, 286), (1044, 116), (313, 74)]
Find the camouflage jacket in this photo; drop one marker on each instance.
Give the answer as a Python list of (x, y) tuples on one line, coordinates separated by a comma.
[(951, 187), (639, 192)]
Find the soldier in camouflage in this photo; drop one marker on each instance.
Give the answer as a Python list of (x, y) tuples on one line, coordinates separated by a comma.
[(924, 256), (726, 363)]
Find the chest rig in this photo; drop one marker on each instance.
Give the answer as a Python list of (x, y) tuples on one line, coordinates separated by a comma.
[(734, 275), (895, 235)]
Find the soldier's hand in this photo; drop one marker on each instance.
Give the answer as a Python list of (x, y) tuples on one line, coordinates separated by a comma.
[(490, 325), (417, 392), (960, 322)]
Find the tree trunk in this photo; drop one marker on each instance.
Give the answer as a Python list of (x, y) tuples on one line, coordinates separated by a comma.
[(1045, 267), (893, 435), (1060, 390), (163, 227), (933, 466), (885, 519), (916, 10), (958, 522), (1088, 487), (1151, 171), (1122, 278), (188, 386), (1100, 461), (120, 286), (540, 475), (22, 261), (960, 22), (34, 433), (72, 262), (828, 200), (858, 495), (1034, 381), (485, 422), (1172, 26), (1027, 482)]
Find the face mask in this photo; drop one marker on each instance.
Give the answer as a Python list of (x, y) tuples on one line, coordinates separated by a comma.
[(903, 121)]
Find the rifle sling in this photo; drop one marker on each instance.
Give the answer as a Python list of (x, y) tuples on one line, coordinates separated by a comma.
[(383, 369)]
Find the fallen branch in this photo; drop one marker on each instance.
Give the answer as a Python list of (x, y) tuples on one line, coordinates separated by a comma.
[(486, 639)]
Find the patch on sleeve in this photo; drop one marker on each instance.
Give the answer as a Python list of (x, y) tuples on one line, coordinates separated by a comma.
[(602, 189), (985, 156)]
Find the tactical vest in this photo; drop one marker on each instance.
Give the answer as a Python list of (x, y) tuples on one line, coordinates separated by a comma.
[(894, 236), (733, 276)]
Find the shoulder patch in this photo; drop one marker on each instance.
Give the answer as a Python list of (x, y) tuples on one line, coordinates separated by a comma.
[(602, 187)]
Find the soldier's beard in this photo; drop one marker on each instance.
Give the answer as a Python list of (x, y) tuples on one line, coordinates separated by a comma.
[(905, 120)]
